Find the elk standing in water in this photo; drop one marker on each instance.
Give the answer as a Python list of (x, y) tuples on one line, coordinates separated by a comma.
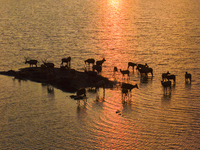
[(131, 64), (188, 76), (173, 77), (31, 62), (144, 69), (125, 72), (114, 71), (67, 61), (128, 86), (164, 75), (166, 84)]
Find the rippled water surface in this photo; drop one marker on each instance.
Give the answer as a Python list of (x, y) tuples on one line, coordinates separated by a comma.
[(163, 34)]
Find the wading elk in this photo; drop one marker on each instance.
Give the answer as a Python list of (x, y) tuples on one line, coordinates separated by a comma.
[(128, 86), (125, 72), (100, 62), (164, 75), (31, 62), (142, 66), (90, 61), (115, 69), (131, 64), (166, 84), (67, 61), (188, 76), (173, 77), (146, 70)]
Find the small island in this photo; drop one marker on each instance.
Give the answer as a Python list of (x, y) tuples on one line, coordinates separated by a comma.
[(68, 80)]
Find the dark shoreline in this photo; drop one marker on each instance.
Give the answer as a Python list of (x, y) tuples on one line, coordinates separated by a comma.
[(68, 80)]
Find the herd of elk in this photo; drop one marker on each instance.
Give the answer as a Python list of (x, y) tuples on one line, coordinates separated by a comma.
[(97, 68)]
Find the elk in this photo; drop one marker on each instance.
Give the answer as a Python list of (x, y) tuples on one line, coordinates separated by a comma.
[(98, 68), (131, 64), (173, 77), (188, 76), (146, 70), (164, 75), (128, 86), (48, 64), (115, 69), (125, 72), (31, 62), (140, 66), (67, 61), (166, 84), (90, 61), (100, 62)]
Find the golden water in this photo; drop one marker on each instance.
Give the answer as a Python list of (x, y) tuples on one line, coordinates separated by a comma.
[(163, 34)]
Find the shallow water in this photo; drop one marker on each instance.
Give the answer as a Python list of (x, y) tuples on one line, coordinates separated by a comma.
[(163, 34)]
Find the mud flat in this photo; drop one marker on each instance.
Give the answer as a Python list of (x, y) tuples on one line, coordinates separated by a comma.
[(68, 80)]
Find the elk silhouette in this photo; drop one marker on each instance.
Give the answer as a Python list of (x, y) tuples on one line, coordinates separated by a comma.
[(67, 61), (188, 76), (100, 62), (48, 65), (31, 62)]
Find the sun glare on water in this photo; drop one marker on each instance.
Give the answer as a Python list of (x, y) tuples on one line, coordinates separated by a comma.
[(114, 4)]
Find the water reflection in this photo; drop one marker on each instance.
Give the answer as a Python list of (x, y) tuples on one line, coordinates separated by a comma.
[(100, 95), (113, 41)]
